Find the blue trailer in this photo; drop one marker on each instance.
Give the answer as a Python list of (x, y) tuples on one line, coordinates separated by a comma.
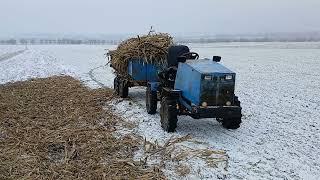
[(185, 85)]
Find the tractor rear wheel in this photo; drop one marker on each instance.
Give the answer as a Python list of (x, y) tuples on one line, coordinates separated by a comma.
[(123, 89), (231, 123), (168, 114), (151, 101)]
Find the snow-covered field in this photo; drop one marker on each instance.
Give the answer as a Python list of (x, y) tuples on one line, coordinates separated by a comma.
[(10, 48), (277, 84)]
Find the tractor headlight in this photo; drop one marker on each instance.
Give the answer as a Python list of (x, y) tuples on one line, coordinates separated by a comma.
[(207, 77), (228, 103), (204, 104), (228, 77)]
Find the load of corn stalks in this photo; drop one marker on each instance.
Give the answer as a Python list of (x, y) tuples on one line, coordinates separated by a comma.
[(151, 48)]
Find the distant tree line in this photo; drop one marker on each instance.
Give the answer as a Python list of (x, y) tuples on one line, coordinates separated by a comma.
[(8, 41), (34, 41), (262, 39)]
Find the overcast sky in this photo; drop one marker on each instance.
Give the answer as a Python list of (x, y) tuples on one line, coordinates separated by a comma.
[(173, 16)]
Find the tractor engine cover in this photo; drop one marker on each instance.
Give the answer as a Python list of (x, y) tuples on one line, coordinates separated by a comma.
[(205, 82)]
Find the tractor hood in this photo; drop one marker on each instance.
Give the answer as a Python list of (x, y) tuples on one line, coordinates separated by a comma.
[(205, 81), (207, 66)]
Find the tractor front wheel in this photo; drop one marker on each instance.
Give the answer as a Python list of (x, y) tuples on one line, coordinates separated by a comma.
[(236, 101), (231, 123), (168, 114), (151, 101)]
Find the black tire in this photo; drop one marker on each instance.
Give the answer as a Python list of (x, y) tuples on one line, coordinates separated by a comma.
[(236, 101), (231, 123), (116, 85), (168, 114), (151, 101), (123, 89)]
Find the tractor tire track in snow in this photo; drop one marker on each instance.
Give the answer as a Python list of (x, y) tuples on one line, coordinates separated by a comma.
[(11, 55), (93, 78)]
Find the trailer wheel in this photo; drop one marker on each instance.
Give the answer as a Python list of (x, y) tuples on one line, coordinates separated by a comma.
[(168, 114), (151, 101), (123, 89), (116, 85), (231, 123)]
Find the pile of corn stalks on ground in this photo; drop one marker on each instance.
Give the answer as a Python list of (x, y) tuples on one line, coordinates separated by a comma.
[(56, 128), (152, 48)]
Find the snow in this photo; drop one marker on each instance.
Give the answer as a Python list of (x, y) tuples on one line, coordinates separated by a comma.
[(4, 49), (277, 84), (31, 64), (85, 60), (78, 61)]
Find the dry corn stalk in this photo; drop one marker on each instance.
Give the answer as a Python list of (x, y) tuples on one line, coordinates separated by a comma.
[(151, 48), (56, 128)]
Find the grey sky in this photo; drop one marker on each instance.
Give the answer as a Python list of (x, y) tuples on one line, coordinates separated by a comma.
[(174, 16)]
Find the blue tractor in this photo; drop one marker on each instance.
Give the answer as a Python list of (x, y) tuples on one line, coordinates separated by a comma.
[(185, 85)]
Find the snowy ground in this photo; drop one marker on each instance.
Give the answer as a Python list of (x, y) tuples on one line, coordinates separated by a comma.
[(31, 64), (277, 83), (4, 49)]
